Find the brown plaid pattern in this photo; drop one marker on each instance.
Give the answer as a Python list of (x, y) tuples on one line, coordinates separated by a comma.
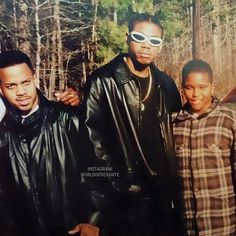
[(206, 153)]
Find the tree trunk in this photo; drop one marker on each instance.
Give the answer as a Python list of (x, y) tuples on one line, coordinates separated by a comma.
[(229, 57), (94, 34), (196, 49), (38, 37), (61, 79), (23, 28), (52, 81), (15, 24), (233, 45), (216, 40)]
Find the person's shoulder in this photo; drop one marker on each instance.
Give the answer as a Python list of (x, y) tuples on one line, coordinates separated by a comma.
[(166, 81), (100, 72), (62, 112), (110, 73), (108, 69), (224, 108), (60, 118), (231, 105), (227, 111), (55, 108), (105, 69), (162, 76), (168, 85)]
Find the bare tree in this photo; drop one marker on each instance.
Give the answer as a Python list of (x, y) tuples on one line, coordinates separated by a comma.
[(216, 38), (23, 26), (61, 79), (38, 37), (196, 49)]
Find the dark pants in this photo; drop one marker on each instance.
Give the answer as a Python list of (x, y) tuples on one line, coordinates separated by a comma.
[(19, 220), (14, 221), (142, 215)]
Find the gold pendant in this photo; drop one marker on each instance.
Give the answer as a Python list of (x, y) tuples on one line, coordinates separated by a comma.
[(142, 106)]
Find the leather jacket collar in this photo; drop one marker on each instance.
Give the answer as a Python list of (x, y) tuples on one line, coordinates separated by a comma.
[(122, 73), (14, 114)]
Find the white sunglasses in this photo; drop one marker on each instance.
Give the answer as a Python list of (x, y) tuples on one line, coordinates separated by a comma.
[(141, 38)]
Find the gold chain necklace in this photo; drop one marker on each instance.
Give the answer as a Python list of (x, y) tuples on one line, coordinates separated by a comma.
[(148, 92), (149, 85)]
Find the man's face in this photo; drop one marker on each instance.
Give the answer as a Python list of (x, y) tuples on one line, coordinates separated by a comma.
[(143, 52), (198, 90), (18, 87)]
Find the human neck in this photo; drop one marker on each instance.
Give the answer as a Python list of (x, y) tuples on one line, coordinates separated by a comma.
[(24, 115), (136, 68)]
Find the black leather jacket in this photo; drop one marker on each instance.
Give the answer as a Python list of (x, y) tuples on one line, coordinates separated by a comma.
[(113, 119), (41, 169)]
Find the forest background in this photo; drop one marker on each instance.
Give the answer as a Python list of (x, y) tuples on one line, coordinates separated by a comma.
[(67, 39)]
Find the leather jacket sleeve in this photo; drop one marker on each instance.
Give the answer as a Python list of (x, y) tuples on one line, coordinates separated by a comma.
[(96, 118), (96, 121)]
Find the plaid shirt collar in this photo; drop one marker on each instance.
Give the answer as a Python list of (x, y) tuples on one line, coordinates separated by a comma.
[(186, 113)]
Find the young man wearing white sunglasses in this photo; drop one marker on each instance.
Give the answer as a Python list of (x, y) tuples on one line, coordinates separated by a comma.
[(128, 108)]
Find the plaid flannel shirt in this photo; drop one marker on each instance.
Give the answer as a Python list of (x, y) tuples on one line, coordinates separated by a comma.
[(206, 153)]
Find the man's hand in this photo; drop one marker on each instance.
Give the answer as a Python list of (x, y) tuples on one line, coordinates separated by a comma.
[(85, 230), (68, 97)]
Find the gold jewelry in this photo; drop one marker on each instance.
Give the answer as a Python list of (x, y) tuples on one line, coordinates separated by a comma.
[(149, 85), (126, 61), (148, 92)]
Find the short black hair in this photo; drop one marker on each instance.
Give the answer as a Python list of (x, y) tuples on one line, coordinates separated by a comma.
[(142, 17), (196, 66), (14, 57)]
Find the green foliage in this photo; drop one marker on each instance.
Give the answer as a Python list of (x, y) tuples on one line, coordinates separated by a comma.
[(111, 40), (207, 6), (104, 54), (144, 6), (174, 17), (118, 4)]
